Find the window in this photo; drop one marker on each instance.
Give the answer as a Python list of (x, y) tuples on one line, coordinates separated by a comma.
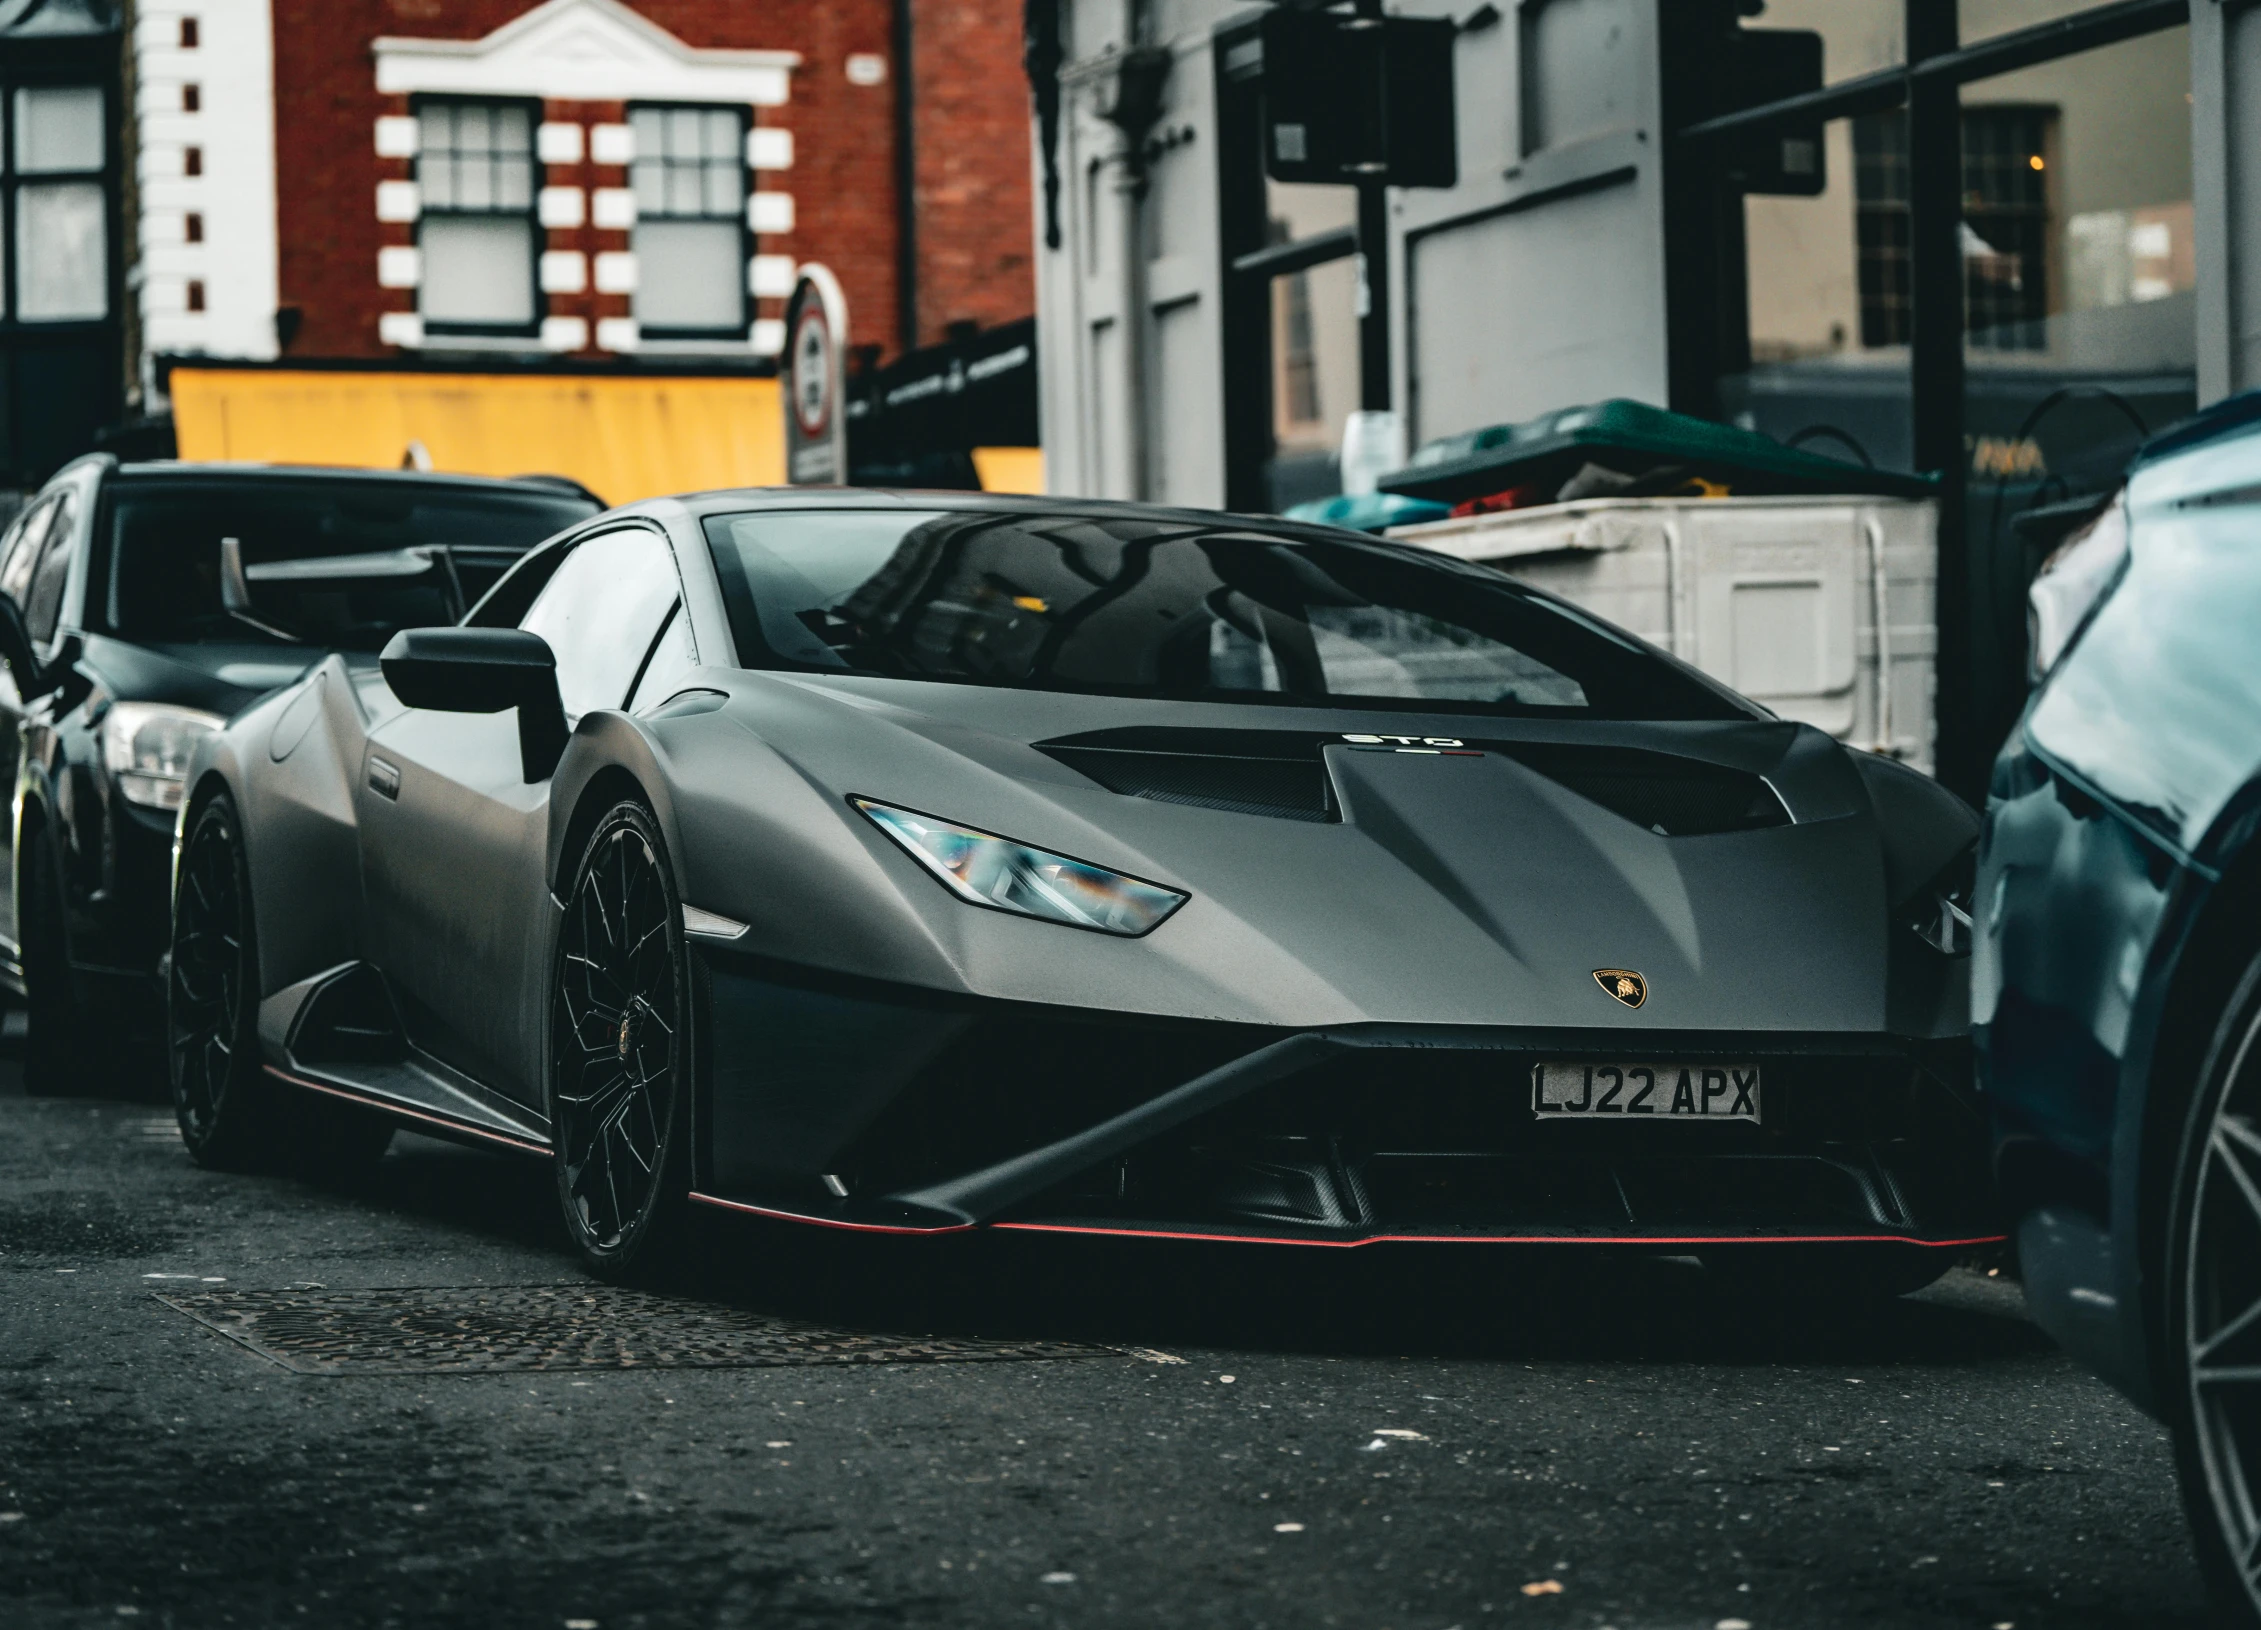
[(1180, 609), (1880, 171), (192, 98), (61, 212), (43, 600), (156, 576), (196, 294), (2006, 225), (25, 534), (1296, 391), (475, 166), (189, 39), (672, 659), (600, 612), (691, 249), (192, 227), (1314, 319), (2005, 231)]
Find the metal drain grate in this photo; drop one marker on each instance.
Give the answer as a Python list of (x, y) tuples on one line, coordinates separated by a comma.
[(558, 1327)]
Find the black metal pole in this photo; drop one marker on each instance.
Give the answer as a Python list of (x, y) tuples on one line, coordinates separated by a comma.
[(1935, 257), (906, 185), (1373, 295), (1242, 227), (1374, 237)]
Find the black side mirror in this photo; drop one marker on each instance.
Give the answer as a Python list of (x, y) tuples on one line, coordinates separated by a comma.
[(484, 670), (33, 677)]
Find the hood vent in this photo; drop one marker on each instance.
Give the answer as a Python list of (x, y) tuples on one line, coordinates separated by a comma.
[(1281, 773), (1677, 797), (1249, 772)]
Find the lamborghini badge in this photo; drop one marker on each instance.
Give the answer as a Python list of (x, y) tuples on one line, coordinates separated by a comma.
[(1624, 984)]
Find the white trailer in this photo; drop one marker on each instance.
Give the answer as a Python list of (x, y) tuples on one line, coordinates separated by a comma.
[(1823, 609)]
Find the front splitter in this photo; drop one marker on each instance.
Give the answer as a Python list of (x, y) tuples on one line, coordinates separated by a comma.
[(1661, 1240)]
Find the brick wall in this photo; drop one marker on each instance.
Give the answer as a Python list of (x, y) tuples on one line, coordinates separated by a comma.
[(972, 135), (970, 140)]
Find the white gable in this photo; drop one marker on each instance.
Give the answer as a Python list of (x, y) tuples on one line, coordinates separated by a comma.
[(583, 50)]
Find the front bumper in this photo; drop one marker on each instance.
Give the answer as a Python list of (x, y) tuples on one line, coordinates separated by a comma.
[(879, 1109)]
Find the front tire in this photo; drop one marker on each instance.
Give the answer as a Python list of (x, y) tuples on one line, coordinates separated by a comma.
[(2211, 1360), (620, 1051), (220, 1098)]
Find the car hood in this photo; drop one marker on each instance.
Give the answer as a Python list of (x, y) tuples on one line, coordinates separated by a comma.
[(218, 677), (1749, 871)]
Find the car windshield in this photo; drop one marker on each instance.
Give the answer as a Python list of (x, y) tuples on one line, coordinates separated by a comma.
[(335, 562), (1137, 606)]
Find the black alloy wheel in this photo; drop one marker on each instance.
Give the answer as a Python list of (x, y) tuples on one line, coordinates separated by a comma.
[(212, 999), (2212, 1355), (620, 1050)]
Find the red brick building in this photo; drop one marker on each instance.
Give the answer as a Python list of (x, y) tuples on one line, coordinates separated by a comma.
[(609, 178)]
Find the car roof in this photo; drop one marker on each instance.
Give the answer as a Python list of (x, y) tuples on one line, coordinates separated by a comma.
[(739, 500), (2234, 418), (218, 471)]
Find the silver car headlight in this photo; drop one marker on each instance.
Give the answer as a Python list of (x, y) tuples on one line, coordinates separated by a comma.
[(984, 869), (2072, 583), (146, 745)]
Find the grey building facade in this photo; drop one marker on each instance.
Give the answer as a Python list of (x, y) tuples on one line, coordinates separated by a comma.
[(1998, 241)]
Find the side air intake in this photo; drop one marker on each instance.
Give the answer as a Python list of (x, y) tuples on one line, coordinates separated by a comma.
[(1250, 772), (1678, 797)]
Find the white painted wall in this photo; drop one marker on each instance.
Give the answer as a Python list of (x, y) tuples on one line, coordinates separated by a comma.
[(2225, 45), (1506, 300), (232, 67)]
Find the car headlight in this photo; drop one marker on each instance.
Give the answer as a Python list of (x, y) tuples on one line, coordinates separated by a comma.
[(147, 745), (984, 869), (2072, 583)]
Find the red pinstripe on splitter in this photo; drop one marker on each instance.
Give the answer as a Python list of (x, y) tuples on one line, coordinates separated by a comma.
[(827, 1222), (776, 1215), (1508, 1239)]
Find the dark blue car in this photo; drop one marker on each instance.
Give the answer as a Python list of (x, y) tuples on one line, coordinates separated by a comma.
[(2116, 964)]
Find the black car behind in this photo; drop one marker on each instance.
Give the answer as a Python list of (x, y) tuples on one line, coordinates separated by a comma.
[(156, 600)]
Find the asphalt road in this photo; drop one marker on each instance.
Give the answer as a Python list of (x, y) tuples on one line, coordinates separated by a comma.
[(1351, 1439)]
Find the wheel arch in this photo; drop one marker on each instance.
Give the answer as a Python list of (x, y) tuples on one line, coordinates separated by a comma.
[(34, 811), (608, 760), (2210, 956), (209, 783)]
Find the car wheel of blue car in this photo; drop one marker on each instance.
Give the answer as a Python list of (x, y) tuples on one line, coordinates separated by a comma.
[(620, 1050), (2213, 1280)]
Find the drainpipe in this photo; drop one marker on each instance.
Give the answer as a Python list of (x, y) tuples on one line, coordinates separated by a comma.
[(906, 187), (1134, 106)]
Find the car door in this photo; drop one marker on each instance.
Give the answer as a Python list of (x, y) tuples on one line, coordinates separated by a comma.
[(19, 556), (454, 840)]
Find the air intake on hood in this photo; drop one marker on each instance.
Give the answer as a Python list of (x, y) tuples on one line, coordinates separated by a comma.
[(1250, 772), (1679, 797)]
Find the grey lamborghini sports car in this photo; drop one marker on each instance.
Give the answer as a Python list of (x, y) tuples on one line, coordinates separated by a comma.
[(917, 863)]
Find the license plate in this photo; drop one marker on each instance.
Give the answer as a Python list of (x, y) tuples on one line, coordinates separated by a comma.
[(1685, 1092)]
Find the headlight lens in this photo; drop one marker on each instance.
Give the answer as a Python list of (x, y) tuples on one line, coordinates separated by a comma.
[(2072, 583), (146, 746), (986, 870)]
